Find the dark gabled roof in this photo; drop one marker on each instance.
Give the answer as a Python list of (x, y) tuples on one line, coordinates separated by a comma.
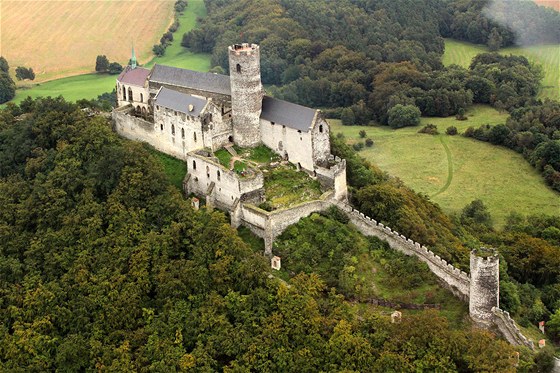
[(135, 76), (179, 101), (287, 114), (208, 82)]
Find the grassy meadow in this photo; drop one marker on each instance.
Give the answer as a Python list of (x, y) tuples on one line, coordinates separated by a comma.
[(454, 170), (461, 53), (92, 85), (63, 38)]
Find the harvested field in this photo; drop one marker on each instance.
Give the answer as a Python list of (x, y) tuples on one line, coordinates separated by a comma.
[(554, 4), (63, 38)]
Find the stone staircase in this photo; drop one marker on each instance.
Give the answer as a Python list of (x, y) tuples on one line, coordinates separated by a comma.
[(231, 150)]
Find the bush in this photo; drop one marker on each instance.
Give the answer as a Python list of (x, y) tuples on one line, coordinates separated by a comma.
[(369, 142), (115, 68), (24, 73), (430, 129), (347, 117), (461, 114), (362, 134), (451, 130), (180, 5), (159, 50), (358, 146), (101, 64), (403, 116)]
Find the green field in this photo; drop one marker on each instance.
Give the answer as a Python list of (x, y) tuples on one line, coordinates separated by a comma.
[(461, 53), (454, 170), (92, 85)]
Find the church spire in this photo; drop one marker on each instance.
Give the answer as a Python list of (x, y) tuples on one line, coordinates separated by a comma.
[(133, 58)]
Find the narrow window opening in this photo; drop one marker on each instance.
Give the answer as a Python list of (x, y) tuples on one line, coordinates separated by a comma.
[(194, 136), (218, 174), (173, 129), (238, 67), (141, 97), (130, 96), (207, 171), (124, 93), (161, 126), (194, 165), (321, 128), (182, 133)]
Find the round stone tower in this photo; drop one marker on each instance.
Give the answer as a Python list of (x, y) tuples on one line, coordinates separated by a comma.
[(246, 93), (485, 285)]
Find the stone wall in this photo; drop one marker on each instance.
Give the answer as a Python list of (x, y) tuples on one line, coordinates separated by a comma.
[(220, 185), (131, 127), (334, 177), (289, 143), (454, 279), (177, 133), (509, 329), (269, 225)]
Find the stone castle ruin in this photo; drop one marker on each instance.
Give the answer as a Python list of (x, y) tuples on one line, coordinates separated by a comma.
[(191, 115)]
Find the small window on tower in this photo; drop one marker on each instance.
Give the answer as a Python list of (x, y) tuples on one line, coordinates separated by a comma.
[(321, 128), (238, 68), (194, 165)]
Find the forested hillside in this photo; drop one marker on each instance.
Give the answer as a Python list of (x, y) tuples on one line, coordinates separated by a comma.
[(105, 267)]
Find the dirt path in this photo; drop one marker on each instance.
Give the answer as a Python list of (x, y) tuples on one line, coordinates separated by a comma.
[(449, 167)]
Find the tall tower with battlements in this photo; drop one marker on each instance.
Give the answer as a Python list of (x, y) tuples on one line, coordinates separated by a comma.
[(246, 93), (485, 285)]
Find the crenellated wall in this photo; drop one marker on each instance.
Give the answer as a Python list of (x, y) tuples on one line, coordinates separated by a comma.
[(455, 280), (509, 328)]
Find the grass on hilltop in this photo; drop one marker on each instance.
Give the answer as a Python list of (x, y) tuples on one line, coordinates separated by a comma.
[(548, 56), (175, 169), (287, 187), (454, 170), (90, 86)]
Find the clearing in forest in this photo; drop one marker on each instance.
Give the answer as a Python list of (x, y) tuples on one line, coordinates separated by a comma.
[(548, 56), (63, 38), (501, 178)]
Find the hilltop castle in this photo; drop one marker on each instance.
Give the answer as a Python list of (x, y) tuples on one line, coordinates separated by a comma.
[(191, 115)]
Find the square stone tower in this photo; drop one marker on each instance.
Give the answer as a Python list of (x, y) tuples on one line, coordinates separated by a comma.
[(246, 93)]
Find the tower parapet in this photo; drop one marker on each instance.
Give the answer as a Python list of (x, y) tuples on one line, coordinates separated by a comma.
[(485, 285), (246, 93)]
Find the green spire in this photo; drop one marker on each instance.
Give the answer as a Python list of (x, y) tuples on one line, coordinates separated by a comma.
[(133, 58)]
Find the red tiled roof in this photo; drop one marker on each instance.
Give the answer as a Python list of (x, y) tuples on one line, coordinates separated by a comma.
[(135, 76)]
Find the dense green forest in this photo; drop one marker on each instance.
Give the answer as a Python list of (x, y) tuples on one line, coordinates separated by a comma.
[(104, 266)]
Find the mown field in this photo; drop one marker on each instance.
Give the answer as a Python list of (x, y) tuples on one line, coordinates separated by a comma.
[(454, 170), (91, 85), (461, 53), (63, 38)]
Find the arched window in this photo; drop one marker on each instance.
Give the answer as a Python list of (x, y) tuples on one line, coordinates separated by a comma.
[(130, 97), (173, 129), (238, 67), (182, 133), (141, 97), (321, 128), (123, 93), (194, 136), (194, 165)]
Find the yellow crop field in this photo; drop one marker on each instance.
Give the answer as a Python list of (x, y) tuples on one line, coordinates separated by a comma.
[(63, 38)]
